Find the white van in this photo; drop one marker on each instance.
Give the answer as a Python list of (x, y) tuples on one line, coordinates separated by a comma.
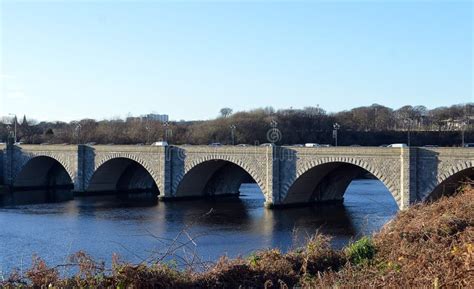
[(311, 145), (397, 145), (160, 144)]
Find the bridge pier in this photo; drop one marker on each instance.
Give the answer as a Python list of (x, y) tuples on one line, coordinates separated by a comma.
[(408, 177)]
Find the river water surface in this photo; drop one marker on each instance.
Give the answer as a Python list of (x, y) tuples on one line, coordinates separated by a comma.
[(102, 226)]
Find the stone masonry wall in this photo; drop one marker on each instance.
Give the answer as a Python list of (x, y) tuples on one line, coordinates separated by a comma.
[(257, 161), (435, 165), (152, 158), (66, 155), (410, 174), (384, 163)]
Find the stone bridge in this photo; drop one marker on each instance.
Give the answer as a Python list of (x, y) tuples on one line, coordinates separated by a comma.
[(286, 175)]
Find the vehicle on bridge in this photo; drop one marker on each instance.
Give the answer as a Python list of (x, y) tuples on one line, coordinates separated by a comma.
[(160, 143), (398, 145)]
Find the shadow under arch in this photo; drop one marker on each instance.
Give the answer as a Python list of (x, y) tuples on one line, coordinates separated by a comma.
[(212, 178), (123, 177), (42, 179), (328, 182), (449, 185)]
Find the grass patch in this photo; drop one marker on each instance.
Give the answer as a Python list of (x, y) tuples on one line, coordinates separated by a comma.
[(361, 251)]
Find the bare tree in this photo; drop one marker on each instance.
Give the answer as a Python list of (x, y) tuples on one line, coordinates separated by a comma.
[(226, 112)]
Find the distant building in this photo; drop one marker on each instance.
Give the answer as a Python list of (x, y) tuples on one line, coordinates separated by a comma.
[(156, 117), (457, 124), (133, 118)]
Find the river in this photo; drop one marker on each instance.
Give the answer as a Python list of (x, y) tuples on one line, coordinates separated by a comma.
[(105, 225)]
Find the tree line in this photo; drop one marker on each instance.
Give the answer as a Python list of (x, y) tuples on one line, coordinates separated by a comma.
[(366, 125)]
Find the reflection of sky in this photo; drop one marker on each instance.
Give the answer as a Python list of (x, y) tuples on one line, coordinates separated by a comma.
[(103, 225), (367, 207)]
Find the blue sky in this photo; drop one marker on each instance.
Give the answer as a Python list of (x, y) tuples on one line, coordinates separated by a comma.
[(64, 60)]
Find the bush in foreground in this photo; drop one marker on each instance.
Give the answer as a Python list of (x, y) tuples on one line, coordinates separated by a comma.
[(428, 245)]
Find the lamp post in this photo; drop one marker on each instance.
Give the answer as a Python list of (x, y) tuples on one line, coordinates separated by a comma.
[(15, 120), (408, 122), (10, 133), (336, 127), (147, 128), (168, 131), (77, 131), (463, 129), (232, 133), (375, 119), (464, 124)]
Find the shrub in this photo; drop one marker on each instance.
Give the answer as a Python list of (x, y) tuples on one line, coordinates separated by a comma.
[(40, 274), (361, 252)]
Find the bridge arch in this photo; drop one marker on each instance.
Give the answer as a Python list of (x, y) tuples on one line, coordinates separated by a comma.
[(26, 158), (42, 178), (101, 159), (122, 174), (211, 176), (449, 181), (35, 171), (327, 179)]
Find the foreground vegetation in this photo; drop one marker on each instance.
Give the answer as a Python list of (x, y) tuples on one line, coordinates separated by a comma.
[(429, 246)]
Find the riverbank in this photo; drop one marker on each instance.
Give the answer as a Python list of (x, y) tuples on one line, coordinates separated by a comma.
[(428, 245)]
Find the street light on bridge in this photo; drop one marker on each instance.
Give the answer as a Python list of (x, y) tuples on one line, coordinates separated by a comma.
[(168, 131), (15, 120), (232, 133), (77, 130), (463, 131), (336, 127), (408, 123)]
